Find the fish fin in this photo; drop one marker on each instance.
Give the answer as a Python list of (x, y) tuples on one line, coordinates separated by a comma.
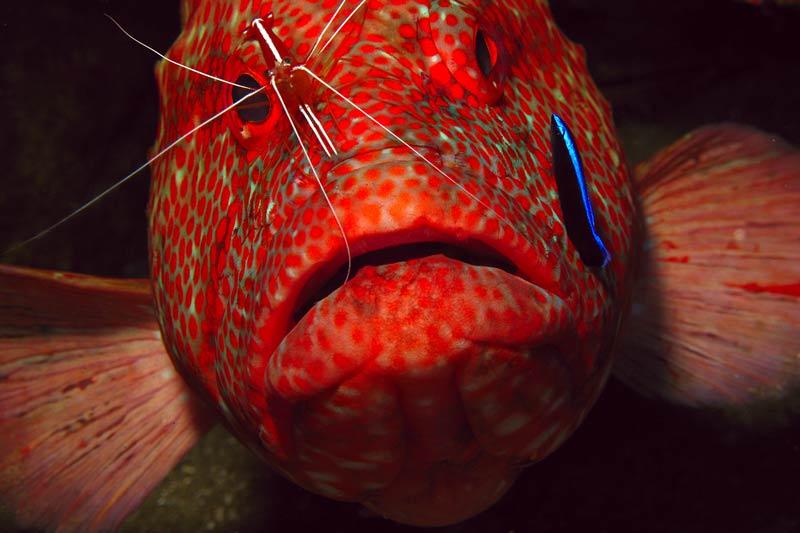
[(715, 319), (92, 413)]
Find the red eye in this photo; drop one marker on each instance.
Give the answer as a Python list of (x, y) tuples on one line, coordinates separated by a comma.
[(254, 119), (485, 53), (466, 59), (254, 109)]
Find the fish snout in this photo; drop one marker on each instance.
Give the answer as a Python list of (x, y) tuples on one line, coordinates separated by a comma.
[(388, 204)]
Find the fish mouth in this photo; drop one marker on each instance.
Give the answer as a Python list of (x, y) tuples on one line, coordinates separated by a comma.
[(396, 249), (505, 247), (428, 301), (438, 356)]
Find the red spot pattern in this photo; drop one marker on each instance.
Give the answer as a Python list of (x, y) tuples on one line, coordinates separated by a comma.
[(789, 289), (238, 227)]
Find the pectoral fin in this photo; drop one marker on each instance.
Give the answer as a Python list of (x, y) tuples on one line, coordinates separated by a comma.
[(715, 320), (92, 413)]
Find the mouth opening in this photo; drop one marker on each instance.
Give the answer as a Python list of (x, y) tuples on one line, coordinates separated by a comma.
[(326, 280)]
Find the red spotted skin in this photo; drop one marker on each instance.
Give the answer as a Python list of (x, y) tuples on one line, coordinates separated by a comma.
[(418, 388)]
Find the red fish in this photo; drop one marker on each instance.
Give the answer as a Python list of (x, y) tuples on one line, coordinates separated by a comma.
[(386, 308)]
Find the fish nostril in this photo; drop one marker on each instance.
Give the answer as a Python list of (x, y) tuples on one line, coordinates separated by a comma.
[(326, 281)]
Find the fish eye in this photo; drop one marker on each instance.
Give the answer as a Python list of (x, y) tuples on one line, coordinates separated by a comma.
[(576, 205), (485, 53), (468, 56), (253, 110)]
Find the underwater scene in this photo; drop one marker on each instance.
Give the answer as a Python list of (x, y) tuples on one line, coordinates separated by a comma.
[(82, 111)]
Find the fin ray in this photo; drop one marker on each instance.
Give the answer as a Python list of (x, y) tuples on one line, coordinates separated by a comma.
[(714, 321), (92, 413)]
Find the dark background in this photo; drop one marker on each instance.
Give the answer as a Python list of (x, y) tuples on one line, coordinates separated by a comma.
[(79, 110)]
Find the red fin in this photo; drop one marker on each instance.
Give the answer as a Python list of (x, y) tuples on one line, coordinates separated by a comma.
[(720, 328), (92, 413)]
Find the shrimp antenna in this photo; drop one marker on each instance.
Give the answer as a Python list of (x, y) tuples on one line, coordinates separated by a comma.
[(399, 139), (342, 25), (176, 63), (132, 174), (316, 177), (327, 26)]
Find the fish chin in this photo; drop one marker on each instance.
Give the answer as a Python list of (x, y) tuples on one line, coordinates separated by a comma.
[(418, 387)]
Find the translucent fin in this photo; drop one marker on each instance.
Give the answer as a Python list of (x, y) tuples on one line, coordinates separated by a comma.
[(92, 414), (715, 320)]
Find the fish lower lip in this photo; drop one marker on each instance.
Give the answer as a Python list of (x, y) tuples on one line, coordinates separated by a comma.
[(424, 365), (475, 304), (329, 279)]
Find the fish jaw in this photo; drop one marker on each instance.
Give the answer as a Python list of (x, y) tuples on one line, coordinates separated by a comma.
[(419, 387)]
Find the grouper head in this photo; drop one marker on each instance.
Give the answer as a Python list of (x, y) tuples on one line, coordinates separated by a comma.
[(395, 252)]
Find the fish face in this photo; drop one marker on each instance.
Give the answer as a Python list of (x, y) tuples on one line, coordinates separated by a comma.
[(373, 265)]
